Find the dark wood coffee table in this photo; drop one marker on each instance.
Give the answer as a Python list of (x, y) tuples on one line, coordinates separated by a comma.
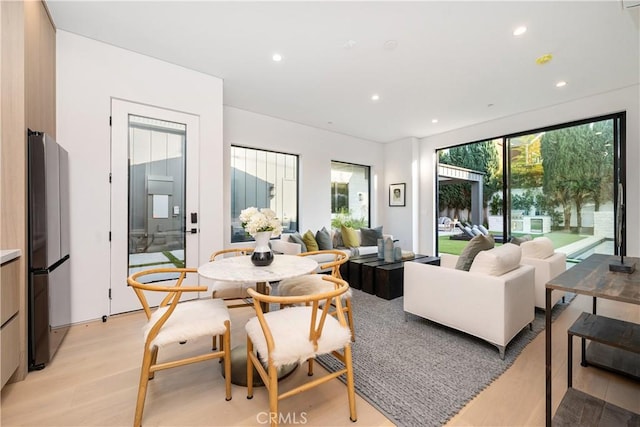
[(384, 278)]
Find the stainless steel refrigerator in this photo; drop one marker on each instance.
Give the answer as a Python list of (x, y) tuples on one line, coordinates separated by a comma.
[(49, 299)]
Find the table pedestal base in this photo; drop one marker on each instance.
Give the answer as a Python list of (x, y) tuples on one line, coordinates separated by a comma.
[(239, 368)]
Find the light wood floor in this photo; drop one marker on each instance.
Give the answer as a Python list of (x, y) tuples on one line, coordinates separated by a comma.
[(93, 381)]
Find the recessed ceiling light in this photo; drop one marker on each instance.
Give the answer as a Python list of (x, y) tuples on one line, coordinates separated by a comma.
[(277, 57), (561, 83), (434, 121), (520, 31), (375, 97), (390, 44), (349, 44)]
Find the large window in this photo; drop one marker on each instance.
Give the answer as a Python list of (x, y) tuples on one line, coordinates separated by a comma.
[(350, 189), (263, 179), (557, 182)]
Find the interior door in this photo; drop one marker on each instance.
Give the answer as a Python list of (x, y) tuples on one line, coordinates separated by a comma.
[(154, 196)]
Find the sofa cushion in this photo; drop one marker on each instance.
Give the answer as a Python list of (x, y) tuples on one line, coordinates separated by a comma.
[(475, 245), (337, 239), (370, 236), (350, 237), (540, 247), (323, 238), (310, 241), (497, 261), (519, 240), (297, 238)]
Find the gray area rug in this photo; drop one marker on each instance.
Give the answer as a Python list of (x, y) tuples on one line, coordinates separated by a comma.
[(419, 373)]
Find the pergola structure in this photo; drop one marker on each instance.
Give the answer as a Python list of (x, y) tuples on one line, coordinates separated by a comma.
[(449, 174)]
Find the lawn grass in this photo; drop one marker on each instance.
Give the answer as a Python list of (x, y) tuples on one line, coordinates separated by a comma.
[(559, 239)]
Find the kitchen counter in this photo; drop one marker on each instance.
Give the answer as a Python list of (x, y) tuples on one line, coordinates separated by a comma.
[(9, 255)]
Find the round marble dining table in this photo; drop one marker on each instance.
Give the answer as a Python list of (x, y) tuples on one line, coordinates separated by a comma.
[(241, 269)]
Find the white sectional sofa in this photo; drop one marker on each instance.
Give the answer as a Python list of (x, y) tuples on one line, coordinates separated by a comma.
[(286, 246), (493, 301)]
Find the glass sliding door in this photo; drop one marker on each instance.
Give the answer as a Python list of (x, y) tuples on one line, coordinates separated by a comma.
[(557, 182), (470, 194), (561, 185)]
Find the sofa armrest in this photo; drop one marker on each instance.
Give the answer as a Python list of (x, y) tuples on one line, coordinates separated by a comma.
[(545, 270)]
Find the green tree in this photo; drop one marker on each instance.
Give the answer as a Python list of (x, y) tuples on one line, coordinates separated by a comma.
[(578, 165), (482, 157)]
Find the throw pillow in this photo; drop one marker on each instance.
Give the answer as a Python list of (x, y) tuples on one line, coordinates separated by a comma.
[(540, 247), (309, 239), (370, 236), (323, 238), (475, 245), (337, 239), (350, 237), (518, 240), (297, 238), (497, 261)]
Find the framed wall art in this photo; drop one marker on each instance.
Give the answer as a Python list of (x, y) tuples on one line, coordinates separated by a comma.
[(397, 195)]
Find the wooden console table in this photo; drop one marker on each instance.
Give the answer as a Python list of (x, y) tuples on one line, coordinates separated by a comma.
[(592, 277)]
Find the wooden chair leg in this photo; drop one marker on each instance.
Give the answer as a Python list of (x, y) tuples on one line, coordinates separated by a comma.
[(249, 369), (273, 395), (350, 384), (142, 388), (350, 317), (226, 346), (310, 369), (214, 343)]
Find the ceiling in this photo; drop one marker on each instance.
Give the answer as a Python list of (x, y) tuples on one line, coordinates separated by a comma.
[(457, 62)]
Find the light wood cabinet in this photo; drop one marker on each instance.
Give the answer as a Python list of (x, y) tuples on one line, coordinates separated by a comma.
[(9, 309)]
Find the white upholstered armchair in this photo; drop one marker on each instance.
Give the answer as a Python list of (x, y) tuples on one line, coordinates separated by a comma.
[(540, 254)]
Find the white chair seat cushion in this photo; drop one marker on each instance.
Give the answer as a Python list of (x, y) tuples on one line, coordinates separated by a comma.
[(290, 331), (308, 284), (228, 290), (190, 320), (497, 261)]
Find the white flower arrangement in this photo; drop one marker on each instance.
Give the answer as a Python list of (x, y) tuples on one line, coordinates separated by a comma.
[(255, 220)]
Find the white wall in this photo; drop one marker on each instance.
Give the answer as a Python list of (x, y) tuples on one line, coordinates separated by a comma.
[(89, 74), (401, 167), (316, 148), (627, 99)]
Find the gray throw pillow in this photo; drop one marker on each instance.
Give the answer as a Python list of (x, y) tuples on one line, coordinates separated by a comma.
[(297, 238), (337, 239), (475, 245), (323, 238), (370, 236), (518, 240)]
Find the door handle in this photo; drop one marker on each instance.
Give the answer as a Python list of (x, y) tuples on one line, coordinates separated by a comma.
[(191, 230)]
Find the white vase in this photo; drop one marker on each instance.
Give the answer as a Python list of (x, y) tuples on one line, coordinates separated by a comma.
[(262, 254)]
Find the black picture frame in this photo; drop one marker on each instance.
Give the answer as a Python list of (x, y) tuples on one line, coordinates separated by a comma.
[(397, 194)]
